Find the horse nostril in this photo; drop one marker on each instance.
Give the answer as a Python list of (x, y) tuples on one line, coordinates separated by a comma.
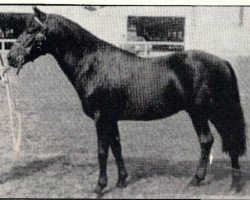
[(9, 57)]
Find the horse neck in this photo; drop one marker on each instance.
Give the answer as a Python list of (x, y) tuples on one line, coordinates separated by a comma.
[(70, 51)]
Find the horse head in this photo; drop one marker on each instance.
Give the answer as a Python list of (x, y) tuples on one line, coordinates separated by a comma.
[(32, 42)]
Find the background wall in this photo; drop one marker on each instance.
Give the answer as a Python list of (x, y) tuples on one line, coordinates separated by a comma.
[(213, 29)]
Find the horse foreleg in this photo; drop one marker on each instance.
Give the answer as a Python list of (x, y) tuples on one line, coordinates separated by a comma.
[(103, 130), (117, 152), (206, 141)]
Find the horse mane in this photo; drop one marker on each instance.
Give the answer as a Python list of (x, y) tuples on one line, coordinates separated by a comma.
[(82, 37)]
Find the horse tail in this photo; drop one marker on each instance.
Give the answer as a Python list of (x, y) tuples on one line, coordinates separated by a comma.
[(234, 91), (228, 118)]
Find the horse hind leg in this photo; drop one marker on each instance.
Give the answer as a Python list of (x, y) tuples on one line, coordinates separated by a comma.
[(206, 140)]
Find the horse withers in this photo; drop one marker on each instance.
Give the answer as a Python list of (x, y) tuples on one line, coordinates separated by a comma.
[(114, 84)]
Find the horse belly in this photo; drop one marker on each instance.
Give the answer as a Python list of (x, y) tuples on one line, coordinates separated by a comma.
[(150, 105)]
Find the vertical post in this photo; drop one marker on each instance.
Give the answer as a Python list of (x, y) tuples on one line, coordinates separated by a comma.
[(1, 60), (241, 15)]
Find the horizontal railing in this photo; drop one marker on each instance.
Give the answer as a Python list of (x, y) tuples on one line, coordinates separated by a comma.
[(152, 48), (155, 42)]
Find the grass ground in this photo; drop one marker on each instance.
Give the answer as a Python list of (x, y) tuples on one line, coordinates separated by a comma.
[(58, 155)]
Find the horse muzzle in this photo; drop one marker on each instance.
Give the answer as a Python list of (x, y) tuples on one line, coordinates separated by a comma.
[(15, 61)]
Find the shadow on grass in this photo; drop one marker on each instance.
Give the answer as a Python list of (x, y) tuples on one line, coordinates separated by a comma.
[(30, 168), (139, 168)]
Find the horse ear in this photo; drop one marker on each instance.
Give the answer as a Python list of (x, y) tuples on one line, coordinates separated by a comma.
[(39, 14)]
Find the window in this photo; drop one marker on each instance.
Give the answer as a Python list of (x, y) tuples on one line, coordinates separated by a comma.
[(11, 26), (156, 28), (8, 33), (162, 33), (8, 45)]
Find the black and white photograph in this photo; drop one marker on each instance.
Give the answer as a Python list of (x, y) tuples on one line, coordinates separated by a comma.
[(124, 101)]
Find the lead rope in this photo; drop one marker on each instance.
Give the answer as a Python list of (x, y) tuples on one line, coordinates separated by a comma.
[(11, 103)]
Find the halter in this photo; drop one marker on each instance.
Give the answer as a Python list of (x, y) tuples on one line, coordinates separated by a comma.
[(38, 46), (43, 34)]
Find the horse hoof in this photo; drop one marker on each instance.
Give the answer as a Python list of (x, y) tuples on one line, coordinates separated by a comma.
[(121, 184), (94, 195), (98, 190), (196, 181), (237, 183)]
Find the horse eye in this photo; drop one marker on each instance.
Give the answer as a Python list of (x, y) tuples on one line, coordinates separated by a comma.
[(30, 30)]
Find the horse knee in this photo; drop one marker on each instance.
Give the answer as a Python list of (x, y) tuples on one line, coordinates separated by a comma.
[(102, 154), (207, 139), (206, 142)]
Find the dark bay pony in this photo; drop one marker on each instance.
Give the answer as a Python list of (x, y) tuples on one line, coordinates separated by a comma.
[(114, 85)]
